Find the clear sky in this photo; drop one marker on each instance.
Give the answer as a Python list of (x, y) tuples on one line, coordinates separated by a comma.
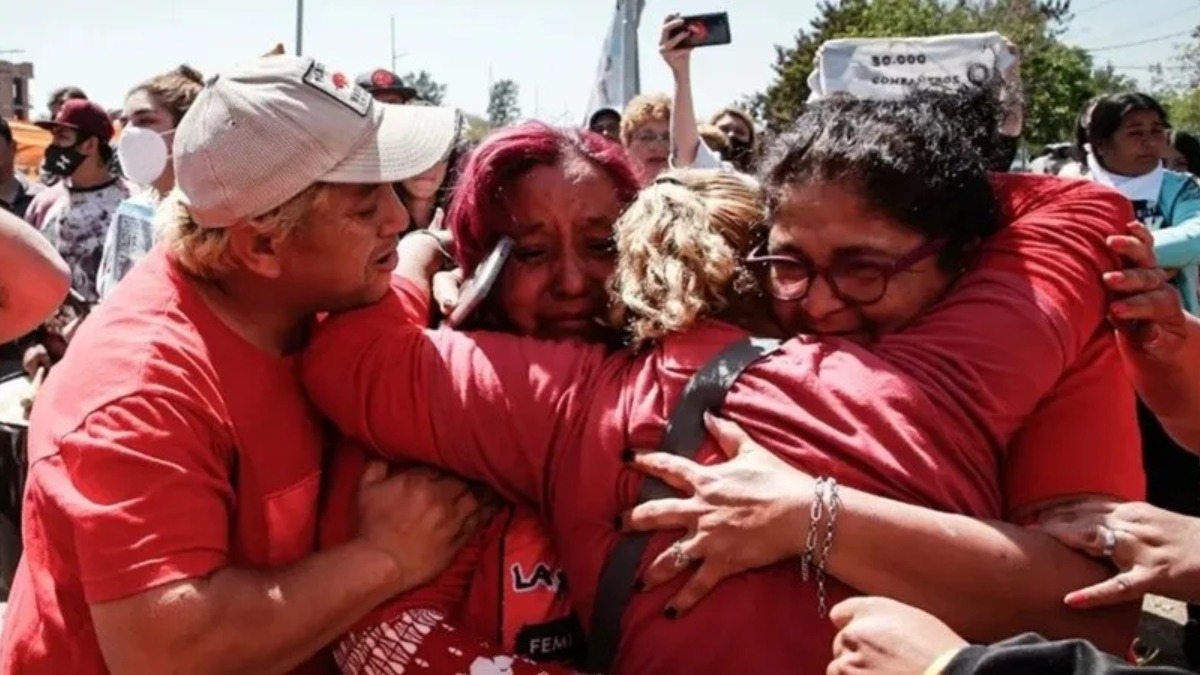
[(550, 47)]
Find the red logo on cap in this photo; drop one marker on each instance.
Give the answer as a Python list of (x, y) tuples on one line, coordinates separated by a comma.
[(340, 81), (382, 78)]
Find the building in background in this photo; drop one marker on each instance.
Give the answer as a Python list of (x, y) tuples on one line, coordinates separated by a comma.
[(14, 90)]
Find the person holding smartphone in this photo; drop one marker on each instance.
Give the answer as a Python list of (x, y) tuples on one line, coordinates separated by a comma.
[(688, 149)]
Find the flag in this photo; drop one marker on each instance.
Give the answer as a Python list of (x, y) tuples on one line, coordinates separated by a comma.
[(617, 78)]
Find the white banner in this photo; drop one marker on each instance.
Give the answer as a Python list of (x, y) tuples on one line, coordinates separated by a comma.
[(886, 68), (617, 77)]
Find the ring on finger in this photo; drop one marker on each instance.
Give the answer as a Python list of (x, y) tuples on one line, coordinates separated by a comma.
[(1108, 540), (678, 556)]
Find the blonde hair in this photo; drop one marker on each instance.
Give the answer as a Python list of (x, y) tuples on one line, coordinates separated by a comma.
[(175, 91), (714, 138), (641, 109), (204, 251), (681, 248)]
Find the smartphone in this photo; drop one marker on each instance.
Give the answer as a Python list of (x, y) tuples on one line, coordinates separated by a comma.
[(475, 290), (706, 30)]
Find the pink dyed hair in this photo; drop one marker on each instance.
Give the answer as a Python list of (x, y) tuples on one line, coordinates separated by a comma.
[(478, 210)]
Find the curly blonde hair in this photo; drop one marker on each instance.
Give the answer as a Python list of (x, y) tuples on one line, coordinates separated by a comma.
[(681, 248), (641, 109), (204, 251)]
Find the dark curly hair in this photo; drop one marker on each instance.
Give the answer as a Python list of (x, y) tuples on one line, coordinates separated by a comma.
[(921, 160)]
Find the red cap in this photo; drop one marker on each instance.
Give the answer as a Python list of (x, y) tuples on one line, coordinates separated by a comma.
[(84, 116)]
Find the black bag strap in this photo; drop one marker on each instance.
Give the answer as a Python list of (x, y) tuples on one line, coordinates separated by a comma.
[(684, 436)]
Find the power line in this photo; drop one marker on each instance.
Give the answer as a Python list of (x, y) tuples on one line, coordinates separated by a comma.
[(1139, 43), (1165, 17), (1102, 3)]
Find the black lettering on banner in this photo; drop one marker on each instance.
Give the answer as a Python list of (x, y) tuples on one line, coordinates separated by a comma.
[(900, 60), (558, 640), (542, 575)]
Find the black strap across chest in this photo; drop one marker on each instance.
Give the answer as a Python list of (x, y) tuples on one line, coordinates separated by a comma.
[(684, 436)]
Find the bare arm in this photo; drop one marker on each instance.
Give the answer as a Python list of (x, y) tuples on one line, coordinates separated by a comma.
[(412, 523), (754, 510), (987, 580), (201, 625), (1171, 387), (1159, 342), (35, 278), (685, 136)]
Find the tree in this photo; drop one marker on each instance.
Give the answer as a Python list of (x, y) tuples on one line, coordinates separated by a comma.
[(1177, 85), (427, 88), (1058, 78), (503, 108)]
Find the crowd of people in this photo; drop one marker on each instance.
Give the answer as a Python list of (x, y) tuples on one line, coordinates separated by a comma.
[(332, 390)]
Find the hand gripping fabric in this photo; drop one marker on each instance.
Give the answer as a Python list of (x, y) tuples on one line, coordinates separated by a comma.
[(684, 436)]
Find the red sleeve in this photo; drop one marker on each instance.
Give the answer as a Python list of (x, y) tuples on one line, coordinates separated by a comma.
[(1082, 440), (147, 492), (484, 406), (416, 300), (1004, 336)]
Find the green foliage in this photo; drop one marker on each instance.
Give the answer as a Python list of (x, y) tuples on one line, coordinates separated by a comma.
[(1057, 78), (1177, 86), (428, 89), (503, 107)]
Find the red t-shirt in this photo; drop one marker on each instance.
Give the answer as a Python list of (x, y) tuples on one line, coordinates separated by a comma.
[(163, 447), (924, 416)]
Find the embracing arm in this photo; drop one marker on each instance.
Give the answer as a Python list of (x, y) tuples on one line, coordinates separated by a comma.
[(987, 580), (482, 405), (1170, 387), (200, 625), (154, 555), (35, 277)]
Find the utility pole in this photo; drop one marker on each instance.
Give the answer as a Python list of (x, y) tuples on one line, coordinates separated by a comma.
[(299, 27)]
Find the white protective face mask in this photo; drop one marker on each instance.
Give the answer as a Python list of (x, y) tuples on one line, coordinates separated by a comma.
[(144, 153)]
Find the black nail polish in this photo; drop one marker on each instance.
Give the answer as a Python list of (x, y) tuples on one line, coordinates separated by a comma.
[(639, 585), (671, 612), (627, 456)]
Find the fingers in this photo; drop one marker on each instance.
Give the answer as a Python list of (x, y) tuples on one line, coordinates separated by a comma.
[(678, 472), (1081, 535), (697, 586), (662, 514), (1161, 305), (446, 287), (672, 34), (843, 612), (732, 439), (1135, 248), (1136, 280), (1125, 587), (666, 566)]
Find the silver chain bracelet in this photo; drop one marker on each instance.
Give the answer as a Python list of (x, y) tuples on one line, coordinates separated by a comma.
[(832, 507), (814, 522)]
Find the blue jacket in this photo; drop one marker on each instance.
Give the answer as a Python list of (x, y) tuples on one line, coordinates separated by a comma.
[(1176, 229)]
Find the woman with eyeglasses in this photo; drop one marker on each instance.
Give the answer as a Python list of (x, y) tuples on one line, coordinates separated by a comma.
[(646, 134), (958, 356)]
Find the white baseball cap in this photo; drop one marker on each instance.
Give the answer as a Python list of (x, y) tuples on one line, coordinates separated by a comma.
[(259, 134)]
